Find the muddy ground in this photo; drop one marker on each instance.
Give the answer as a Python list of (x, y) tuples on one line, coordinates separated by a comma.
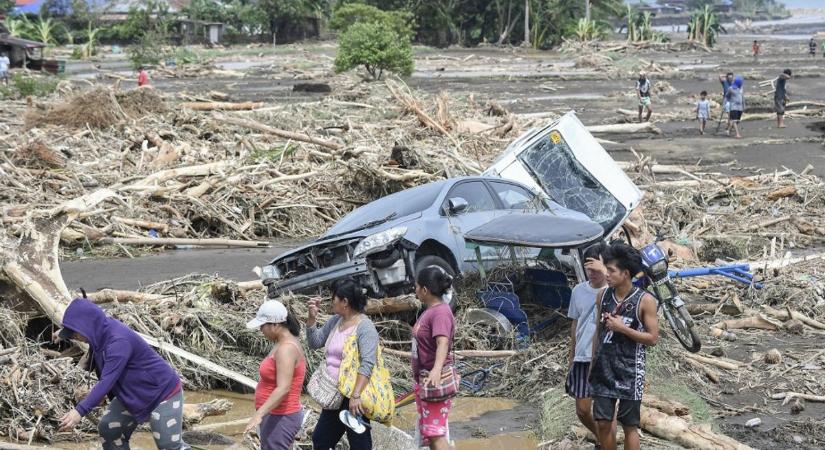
[(530, 82)]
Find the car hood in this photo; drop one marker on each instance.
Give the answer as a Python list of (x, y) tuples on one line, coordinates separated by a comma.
[(567, 163), (536, 230), (359, 234)]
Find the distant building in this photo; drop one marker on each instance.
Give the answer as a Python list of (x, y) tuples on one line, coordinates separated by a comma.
[(21, 52), (188, 31)]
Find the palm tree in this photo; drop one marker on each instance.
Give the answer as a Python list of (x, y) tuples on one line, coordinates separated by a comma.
[(16, 27)]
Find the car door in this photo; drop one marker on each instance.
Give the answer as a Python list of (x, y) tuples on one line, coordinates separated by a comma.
[(481, 208), (566, 162)]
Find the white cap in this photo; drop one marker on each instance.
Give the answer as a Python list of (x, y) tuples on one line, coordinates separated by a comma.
[(272, 311)]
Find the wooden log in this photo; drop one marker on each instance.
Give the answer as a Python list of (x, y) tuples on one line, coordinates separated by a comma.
[(625, 128), (113, 295), (758, 321), (677, 430), (767, 223), (722, 363), (711, 308), (222, 106), (257, 126), (667, 406), (393, 305), (791, 314), (201, 361), (710, 374), (785, 191), (788, 396), (184, 241)]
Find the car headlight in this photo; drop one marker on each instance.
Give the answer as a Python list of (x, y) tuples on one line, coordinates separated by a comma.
[(270, 273), (378, 241)]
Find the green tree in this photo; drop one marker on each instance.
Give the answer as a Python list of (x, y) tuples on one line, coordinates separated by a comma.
[(281, 13), (150, 16), (343, 17), (208, 10), (6, 6), (376, 46)]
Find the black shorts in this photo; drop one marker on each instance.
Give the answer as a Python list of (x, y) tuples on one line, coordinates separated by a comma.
[(736, 115), (577, 385), (629, 414)]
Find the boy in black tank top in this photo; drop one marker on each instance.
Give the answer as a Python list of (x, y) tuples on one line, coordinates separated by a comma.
[(627, 326)]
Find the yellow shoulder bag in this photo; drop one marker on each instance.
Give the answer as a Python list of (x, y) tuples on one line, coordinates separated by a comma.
[(377, 398)]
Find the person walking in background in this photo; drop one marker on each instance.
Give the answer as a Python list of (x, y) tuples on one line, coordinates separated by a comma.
[(703, 111), (583, 312), (4, 68), (139, 383), (278, 411), (643, 94), (756, 47), (433, 336), (143, 77), (726, 80), (780, 96), (627, 326), (812, 47), (736, 98), (348, 304)]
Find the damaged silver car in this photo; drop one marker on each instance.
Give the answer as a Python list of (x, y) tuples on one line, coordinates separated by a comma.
[(558, 170)]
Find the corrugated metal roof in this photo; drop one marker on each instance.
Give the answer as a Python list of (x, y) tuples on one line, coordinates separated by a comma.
[(18, 42)]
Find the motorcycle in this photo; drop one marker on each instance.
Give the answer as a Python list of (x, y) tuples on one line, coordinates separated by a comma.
[(657, 282)]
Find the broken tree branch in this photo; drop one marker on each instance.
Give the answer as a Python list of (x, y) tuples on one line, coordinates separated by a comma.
[(257, 126), (222, 106), (186, 241)]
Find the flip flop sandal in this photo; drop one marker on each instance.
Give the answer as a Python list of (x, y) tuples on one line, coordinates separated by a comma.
[(354, 423)]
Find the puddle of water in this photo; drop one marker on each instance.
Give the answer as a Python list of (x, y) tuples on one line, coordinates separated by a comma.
[(464, 410), (509, 441)]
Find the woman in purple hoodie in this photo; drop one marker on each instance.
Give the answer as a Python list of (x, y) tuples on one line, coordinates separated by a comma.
[(139, 383)]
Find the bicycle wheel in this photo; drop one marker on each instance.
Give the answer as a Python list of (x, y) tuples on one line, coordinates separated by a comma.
[(682, 326)]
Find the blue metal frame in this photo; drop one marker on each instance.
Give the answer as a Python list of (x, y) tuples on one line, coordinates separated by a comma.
[(736, 272)]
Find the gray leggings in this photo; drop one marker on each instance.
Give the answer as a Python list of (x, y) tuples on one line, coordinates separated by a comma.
[(166, 422)]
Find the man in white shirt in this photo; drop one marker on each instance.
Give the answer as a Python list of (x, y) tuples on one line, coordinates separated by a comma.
[(4, 68), (583, 312)]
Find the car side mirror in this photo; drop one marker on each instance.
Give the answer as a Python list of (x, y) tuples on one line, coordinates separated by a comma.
[(457, 205)]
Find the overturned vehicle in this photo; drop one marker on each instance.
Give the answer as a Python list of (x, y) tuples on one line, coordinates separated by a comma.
[(559, 170)]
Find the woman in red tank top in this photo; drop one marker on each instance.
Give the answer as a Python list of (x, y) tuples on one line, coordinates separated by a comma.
[(278, 411)]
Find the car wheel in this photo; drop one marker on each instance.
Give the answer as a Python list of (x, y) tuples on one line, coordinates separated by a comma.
[(432, 260)]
